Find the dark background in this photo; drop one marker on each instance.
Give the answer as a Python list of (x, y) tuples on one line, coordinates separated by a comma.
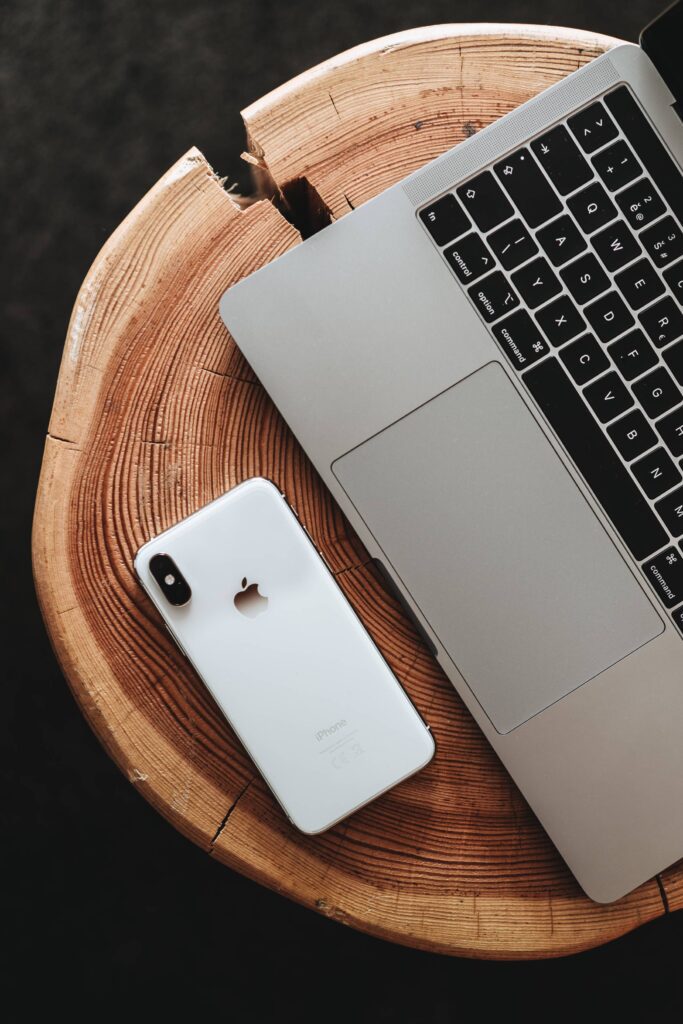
[(107, 909)]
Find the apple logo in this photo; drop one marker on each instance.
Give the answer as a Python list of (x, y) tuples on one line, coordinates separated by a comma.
[(248, 601)]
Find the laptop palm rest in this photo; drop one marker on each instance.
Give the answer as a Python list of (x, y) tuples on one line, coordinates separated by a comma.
[(500, 551)]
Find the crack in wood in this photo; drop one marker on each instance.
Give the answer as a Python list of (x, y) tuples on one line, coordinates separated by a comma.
[(334, 105), (662, 893), (230, 376), (229, 811)]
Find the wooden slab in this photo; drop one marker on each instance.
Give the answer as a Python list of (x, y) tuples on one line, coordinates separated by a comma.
[(156, 412)]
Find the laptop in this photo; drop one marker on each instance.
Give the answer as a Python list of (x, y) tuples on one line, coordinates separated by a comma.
[(485, 365)]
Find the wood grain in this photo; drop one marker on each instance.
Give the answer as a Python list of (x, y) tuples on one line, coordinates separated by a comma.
[(156, 412)]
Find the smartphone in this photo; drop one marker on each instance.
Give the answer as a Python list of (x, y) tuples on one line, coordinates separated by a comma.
[(256, 611)]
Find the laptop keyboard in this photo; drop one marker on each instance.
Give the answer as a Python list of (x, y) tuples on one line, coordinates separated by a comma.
[(571, 250)]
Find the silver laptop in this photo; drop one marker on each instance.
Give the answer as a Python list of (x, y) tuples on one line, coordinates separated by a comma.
[(485, 364)]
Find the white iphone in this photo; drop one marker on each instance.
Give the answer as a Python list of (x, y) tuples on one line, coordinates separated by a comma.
[(256, 611)]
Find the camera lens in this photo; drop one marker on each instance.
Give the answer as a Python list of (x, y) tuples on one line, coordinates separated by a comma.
[(175, 587)]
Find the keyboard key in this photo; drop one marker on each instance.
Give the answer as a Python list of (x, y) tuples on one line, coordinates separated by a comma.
[(663, 322), (536, 282), (659, 165), (674, 278), (639, 284), (561, 160), (640, 204), (493, 296), (633, 354), (485, 202), (608, 397), (673, 357), (445, 219), (512, 244), (469, 258), (656, 473), (528, 187), (677, 616), (592, 207), (671, 431), (609, 317), (617, 166), (595, 458), (593, 127), (561, 320), (520, 339), (657, 393), (584, 359), (585, 278), (632, 435), (561, 240), (616, 246), (671, 511), (665, 573), (663, 241)]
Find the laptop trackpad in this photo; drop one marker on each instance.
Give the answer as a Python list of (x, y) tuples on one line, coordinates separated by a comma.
[(501, 552)]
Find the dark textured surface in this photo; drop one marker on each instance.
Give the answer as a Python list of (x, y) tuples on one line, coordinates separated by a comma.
[(106, 908)]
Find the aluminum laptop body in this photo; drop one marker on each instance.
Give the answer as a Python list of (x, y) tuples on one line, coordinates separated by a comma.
[(433, 429)]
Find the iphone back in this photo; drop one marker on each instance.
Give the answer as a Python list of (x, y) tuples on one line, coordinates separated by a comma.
[(256, 611)]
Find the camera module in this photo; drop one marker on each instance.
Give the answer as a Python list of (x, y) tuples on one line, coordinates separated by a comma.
[(175, 587)]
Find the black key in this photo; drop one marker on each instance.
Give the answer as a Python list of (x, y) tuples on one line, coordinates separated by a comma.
[(671, 511), (616, 246), (520, 339), (632, 435), (561, 320), (674, 278), (617, 165), (493, 296), (665, 573), (633, 354), (584, 359), (671, 431), (561, 160), (593, 127), (646, 142), (639, 284), (640, 204), (512, 244), (592, 207), (609, 317), (608, 397), (677, 616), (664, 241), (585, 278), (663, 322), (673, 357), (656, 473), (528, 187), (536, 282), (469, 258), (657, 393), (445, 219), (595, 458), (561, 240), (485, 202)]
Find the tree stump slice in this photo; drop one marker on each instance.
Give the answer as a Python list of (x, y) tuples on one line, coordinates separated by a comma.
[(156, 412)]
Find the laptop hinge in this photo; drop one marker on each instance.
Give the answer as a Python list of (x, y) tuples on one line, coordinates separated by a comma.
[(661, 40)]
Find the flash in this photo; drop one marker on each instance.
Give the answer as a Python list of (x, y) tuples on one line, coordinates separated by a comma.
[(169, 579)]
